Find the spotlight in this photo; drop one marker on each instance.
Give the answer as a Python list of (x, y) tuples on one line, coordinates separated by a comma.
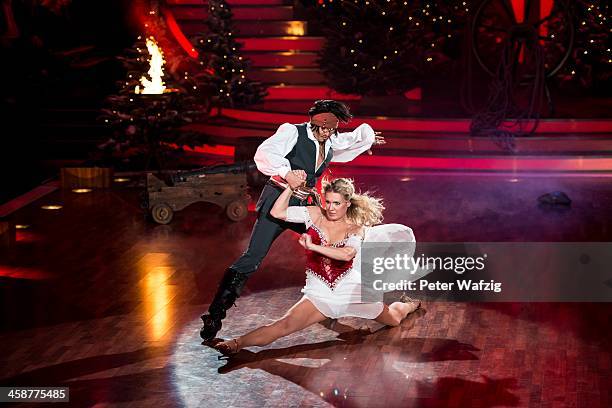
[(51, 207)]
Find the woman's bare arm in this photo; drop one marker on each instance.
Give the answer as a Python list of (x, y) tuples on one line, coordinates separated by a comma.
[(279, 210)]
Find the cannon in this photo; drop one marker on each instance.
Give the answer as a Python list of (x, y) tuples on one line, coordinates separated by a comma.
[(223, 185)]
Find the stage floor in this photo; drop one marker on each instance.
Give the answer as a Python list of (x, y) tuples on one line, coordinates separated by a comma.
[(96, 298)]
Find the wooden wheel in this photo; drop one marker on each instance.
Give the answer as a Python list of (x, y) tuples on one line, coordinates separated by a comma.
[(497, 23), (236, 210), (162, 213)]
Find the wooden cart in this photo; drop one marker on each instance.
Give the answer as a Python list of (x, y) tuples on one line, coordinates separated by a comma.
[(227, 190)]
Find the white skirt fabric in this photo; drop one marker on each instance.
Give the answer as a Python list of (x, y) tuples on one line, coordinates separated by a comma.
[(343, 301)]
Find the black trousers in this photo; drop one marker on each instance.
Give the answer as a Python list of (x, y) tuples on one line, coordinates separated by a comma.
[(265, 231)]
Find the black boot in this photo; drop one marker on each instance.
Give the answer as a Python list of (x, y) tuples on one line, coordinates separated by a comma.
[(228, 291)]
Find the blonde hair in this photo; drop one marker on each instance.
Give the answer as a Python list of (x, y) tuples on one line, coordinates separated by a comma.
[(364, 210)]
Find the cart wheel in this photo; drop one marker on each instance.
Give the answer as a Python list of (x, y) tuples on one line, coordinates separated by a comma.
[(236, 210), (162, 213)]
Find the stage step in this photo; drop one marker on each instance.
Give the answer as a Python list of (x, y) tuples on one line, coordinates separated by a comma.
[(406, 124), (280, 51), (287, 43), (292, 76), (298, 59), (239, 13), (490, 164), (443, 144), (252, 28), (292, 44), (294, 105), (412, 152), (306, 93)]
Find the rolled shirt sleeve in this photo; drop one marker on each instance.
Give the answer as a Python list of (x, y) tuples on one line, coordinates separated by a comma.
[(270, 155), (298, 214), (349, 145)]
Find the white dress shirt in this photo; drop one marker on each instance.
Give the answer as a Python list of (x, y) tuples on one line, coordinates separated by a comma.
[(270, 155)]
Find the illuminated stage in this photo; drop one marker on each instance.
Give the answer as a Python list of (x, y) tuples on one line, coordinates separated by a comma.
[(96, 297), (99, 299)]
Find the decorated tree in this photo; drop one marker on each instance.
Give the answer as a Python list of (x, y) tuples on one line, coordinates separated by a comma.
[(224, 70), (591, 59), (380, 47)]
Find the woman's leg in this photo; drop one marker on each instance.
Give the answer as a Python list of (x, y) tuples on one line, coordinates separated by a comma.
[(300, 316), (393, 314)]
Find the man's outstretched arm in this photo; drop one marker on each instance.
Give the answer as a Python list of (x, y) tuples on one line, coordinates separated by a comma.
[(348, 145)]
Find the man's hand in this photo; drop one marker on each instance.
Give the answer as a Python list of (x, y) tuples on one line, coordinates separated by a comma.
[(378, 140), (300, 173), (296, 178)]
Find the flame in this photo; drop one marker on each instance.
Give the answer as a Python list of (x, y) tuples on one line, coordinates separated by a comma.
[(156, 71)]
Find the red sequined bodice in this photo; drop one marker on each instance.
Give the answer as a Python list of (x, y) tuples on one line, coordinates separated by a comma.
[(328, 270)]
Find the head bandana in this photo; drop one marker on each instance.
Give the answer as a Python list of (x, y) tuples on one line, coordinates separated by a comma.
[(326, 119)]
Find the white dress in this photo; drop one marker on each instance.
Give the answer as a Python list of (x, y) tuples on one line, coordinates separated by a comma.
[(341, 296)]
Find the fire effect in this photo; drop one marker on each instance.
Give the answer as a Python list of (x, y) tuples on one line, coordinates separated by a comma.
[(156, 71)]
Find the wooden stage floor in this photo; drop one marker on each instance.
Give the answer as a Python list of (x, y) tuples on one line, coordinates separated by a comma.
[(95, 298)]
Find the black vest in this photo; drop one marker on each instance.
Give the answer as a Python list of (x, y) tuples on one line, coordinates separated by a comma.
[(303, 156)]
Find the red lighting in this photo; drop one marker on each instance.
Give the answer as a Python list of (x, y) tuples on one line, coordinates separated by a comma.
[(178, 35), (216, 150), (26, 236), (23, 273)]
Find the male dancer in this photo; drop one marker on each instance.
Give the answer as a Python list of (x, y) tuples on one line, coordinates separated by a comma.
[(299, 154)]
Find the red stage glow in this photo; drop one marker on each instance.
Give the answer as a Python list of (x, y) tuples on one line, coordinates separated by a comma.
[(413, 94), (306, 93), (147, 20), (26, 236), (495, 164), (518, 7), (23, 273), (178, 34), (545, 10), (217, 150)]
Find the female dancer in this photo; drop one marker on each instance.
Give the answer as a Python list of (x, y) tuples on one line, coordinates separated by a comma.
[(333, 246)]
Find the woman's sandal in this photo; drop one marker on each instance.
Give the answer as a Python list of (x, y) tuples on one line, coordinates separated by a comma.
[(406, 299), (227, 348)]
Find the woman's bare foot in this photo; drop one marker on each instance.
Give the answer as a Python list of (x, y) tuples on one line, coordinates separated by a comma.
[(228, 347), (415, 303)]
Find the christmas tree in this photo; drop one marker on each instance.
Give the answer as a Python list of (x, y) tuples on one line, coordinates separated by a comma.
[(380, 47), (224, 69), (591, 59)]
